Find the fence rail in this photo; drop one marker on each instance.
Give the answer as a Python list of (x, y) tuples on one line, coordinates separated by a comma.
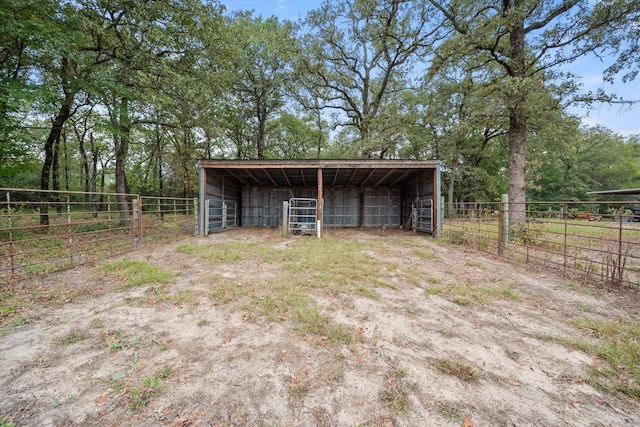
[(592, 241), (45, 231)]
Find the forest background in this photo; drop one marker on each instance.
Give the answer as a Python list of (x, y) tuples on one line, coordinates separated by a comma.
[(126, 96)]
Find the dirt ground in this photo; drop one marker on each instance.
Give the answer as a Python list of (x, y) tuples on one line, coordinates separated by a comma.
[(95, 352)]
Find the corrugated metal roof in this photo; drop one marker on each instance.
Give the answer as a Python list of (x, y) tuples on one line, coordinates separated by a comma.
[(335, 173), (624, 191)]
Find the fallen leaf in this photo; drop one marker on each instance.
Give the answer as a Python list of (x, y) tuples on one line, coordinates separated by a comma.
[(467, 423)]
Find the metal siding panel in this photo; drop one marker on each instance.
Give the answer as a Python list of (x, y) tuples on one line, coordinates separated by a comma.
[(382, 208), (342, 208), (261, 207)]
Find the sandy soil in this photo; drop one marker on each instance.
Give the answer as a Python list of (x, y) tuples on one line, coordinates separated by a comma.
[(89, 352)]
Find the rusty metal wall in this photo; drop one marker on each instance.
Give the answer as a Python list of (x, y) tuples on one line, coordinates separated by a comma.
[(341, 208), (262, 206), (382, 208)]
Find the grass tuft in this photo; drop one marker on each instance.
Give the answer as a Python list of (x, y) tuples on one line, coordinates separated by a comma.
[(451, 411), (137, 273), (151, 387), (457, 369), (396, 390), (72, 337), (311, 321), (616, 354)]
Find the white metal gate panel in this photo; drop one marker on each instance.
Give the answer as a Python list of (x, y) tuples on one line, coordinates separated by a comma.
[(220, 215), (303, 215), (230, 214), (423, 215)]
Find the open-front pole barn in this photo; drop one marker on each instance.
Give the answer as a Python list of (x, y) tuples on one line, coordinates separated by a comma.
[(307, 196)]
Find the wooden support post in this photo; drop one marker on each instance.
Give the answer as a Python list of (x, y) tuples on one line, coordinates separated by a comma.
[(285, 218), (320, 204), (361, 211)]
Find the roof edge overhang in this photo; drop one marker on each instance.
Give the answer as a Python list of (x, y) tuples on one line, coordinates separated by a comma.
[(630, 191), (333, 173), (315, 164)]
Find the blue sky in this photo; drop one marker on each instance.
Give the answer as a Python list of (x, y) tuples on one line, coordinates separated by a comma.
[(621, 119), (283, 9)]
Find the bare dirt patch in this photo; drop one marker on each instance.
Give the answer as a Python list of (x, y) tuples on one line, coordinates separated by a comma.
[(379, 328)]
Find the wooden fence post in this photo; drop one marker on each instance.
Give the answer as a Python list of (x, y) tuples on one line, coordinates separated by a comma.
[(136, 229), (109, 210), (70, 233), (11, 258), (195, 215), (565, 217), (504, 224), (619, 268), (139, 204)]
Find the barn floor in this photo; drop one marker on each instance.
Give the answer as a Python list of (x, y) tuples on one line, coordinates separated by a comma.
[(360, 328)]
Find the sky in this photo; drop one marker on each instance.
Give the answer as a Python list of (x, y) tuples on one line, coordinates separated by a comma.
[(624, 120)]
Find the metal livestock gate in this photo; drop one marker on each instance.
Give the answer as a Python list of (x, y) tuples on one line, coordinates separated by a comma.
[(303, 216), (423, 216), (221, 215)]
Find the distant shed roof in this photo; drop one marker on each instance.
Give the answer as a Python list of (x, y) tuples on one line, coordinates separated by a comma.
[(612, 192)]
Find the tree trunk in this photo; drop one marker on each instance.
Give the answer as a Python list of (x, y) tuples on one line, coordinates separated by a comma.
[(55, 174), (160, 174), (318, 117), (54, 135), (450, 204), (517, 125), (85, 161), (65, 156), (103, 168), (260, 135), (122, 148), (517, 167), (94, 175), (122, 133)]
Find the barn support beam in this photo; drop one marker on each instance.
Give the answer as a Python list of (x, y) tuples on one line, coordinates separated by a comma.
[(320, 204), (437, 201), (202, 224)]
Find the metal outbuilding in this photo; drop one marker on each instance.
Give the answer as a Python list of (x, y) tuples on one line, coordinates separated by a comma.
[(309, 195)]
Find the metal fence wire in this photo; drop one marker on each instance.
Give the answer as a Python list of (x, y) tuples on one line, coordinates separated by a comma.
[(597, 242), (46, 231)]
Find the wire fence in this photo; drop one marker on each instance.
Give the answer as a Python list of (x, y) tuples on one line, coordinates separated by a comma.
[(46, 231), (597, 242)]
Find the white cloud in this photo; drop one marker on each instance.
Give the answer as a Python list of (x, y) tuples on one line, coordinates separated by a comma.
[(591, 79)]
